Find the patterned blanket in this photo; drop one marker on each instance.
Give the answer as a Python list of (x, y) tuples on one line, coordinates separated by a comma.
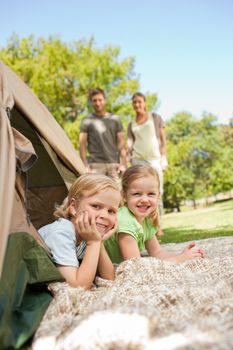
[(152, 304)]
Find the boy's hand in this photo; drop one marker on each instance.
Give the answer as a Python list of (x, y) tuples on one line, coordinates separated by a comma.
[(110, 232), (86, 228)]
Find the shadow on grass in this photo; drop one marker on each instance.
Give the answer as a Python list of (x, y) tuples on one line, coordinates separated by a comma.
[(178, 235)]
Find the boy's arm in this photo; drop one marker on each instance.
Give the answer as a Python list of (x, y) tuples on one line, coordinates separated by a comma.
[(128, 246), (84, 275), (105, 267)]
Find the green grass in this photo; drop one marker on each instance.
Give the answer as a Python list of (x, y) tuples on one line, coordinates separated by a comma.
[(212, 221)]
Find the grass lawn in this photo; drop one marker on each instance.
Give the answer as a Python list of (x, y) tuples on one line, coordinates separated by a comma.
[(212, 221)]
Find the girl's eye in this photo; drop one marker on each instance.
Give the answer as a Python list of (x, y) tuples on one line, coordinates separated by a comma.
[(152, 194), (136, 194)]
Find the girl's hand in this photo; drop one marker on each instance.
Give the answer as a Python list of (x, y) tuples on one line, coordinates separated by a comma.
[(110, 232), (86, 228), (189, 253)]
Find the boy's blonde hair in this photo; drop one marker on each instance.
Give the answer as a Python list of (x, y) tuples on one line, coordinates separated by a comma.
[(136, 172), (85, 186)]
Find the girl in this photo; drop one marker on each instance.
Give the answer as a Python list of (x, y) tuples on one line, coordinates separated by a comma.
[(87, 217), (137, 220), (147, 142)]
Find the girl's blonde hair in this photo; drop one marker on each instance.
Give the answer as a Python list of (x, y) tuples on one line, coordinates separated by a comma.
[(136, 172), (85, 186)]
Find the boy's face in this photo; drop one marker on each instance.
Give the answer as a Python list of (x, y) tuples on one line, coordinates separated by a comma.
[(103, 207), (98, 102)]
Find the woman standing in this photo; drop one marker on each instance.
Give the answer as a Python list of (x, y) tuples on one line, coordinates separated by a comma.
[(147, 140)]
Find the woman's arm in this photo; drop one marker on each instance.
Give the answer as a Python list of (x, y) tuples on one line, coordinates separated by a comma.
[(128, 246), (105, 267), (154, 249)]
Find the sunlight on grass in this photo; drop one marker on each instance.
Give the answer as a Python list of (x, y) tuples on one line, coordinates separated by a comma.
[(213, 221)]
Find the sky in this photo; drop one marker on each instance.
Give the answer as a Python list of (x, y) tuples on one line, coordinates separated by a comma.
[(183, 49)]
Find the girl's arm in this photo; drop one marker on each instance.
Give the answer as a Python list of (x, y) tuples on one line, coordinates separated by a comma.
[(154, 249), (105, 267), (84, 275), (128, 246)]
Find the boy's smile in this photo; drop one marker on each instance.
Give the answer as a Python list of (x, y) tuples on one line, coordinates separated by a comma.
[(103, 207)]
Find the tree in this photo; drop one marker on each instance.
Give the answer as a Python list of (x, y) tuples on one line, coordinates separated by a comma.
[(200, 159), (62, 74)]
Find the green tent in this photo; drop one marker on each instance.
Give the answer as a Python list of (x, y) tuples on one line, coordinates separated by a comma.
[(38, 164)]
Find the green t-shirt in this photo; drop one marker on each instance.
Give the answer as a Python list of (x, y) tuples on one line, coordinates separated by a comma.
[(127, 223)]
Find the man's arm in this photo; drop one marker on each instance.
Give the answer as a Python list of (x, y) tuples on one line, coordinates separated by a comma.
[(130, 141), (122, 149), (83, 147)]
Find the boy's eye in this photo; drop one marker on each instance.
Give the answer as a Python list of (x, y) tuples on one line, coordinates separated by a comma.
[(96, 206), (152, 194), (112, 211), (136, 194)]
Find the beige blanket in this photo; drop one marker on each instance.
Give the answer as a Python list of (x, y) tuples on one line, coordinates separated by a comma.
[(152, 304)]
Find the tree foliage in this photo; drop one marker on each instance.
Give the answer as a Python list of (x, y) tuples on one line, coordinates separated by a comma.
[(200, 159), (62, 74)]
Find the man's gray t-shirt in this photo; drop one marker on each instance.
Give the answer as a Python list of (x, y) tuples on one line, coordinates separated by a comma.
[(60, 237), (102, 137)]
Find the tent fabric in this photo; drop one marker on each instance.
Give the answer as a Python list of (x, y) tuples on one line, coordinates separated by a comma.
[(19, 101), (7, 161), (43, 121), (38, 163), (23, 289), (26, 158)]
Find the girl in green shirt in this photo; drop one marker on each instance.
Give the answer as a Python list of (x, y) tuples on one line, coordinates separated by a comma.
[(138, 219)]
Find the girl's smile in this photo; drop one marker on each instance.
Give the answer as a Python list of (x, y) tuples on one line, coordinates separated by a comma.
[(142, 197)]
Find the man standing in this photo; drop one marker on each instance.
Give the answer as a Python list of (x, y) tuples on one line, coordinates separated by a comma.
[(101, 133)]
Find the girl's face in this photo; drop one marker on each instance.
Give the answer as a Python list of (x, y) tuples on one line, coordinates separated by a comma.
[(139, 105), (142, 197), (103, 206)]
